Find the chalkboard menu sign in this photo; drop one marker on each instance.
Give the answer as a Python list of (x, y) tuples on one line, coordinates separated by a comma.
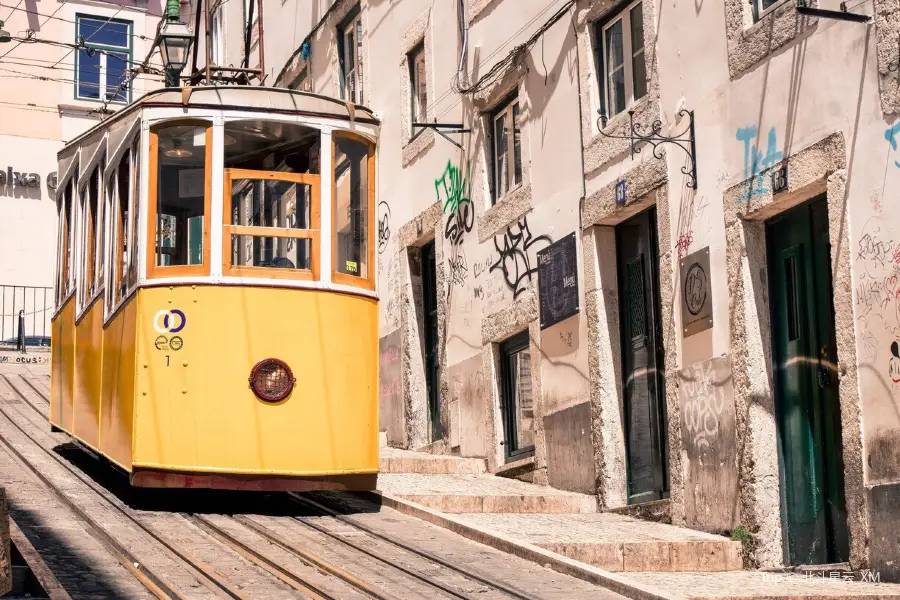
[(558, 281)]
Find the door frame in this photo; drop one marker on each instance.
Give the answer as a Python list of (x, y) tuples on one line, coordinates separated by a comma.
[(509, 399), (649, 215), (431, 340)]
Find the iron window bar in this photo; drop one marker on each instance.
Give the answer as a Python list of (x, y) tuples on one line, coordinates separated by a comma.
[(655, 138), (450, 127), (803, 8)]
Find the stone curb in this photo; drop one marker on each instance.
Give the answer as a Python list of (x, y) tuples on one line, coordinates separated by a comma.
[(557, 562), (37, 565)]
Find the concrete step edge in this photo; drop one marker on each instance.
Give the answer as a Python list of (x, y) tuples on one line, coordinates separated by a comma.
[(535, 554)]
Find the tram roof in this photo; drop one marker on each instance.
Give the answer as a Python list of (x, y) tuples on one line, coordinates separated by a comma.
[(246, 98)]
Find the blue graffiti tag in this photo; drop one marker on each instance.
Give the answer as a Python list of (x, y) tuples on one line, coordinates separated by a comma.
[(890, 134), (755, 162)]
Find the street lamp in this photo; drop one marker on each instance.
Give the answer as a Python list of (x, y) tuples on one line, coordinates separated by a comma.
[(4, 35), (174, 44)]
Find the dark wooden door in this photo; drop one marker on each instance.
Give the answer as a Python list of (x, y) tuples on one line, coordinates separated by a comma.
[(806, 386), (432, 354), (642, 358)]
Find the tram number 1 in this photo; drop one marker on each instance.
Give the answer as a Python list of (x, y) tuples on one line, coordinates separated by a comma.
[(167, 360)]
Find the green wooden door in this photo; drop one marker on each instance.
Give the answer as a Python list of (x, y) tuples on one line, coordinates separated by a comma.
[(642, 358), (432, 352), (806, 394)]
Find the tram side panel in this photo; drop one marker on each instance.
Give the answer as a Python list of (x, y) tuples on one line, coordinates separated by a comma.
[(88, 376), (62, 372), (200, 415), (117, 403)]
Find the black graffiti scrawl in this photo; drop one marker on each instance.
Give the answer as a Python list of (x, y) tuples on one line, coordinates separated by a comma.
[(384, 225), (512, 255)]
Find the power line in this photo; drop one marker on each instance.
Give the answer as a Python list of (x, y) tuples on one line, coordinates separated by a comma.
[(58, 8), (64, 20), (108, 20), (12, 11)]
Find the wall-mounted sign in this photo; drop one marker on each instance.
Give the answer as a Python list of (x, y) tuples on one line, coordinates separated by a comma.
[(19, 179), (620, 193), (696, 293), (558, 281), (780, 179)]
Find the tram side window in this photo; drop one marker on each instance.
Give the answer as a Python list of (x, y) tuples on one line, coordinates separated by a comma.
[(181, 191), (131, 257), (88, 243), (65, 244), (121, 184), (352, 206)]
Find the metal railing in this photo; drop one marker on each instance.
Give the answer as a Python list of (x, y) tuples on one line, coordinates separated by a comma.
[(25, 313)]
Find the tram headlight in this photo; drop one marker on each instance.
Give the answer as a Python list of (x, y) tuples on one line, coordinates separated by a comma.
[(271, 380)]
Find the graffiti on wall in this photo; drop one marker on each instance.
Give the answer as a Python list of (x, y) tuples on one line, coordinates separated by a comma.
[(384, 225), (706, 396), (512, 255), (755, 162), (877, 296), (390, 387), (452, 189), (459, 270), (890, 134)]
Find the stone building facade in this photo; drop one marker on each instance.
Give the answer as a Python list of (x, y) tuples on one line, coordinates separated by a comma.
[(715, 339)]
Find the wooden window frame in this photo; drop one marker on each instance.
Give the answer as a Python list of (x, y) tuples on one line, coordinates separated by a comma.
[(313, 233), (506, 110), (134, 216), (416, 55), (118, 230), (367, 282), (66, 241), (153, 270), (623, 15), (352, 24)]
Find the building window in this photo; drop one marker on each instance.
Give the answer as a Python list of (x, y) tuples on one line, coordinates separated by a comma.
[(418, 89), (350, 54), (217, 35), (517, 408), (506, 139), (621, 40), (761, 7), (101, 64)]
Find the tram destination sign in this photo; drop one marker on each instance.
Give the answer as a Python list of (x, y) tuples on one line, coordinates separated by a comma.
[(696, 293), (558, 281)]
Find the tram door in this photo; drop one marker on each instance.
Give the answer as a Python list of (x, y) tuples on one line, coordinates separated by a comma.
[(807, 403), (642, 358), (432, 353)]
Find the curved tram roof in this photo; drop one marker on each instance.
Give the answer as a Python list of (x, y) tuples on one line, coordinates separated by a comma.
[(244, 98)]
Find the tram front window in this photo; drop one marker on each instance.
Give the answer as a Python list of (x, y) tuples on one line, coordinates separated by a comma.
[(181, 195), (352, 198), (271, 203)]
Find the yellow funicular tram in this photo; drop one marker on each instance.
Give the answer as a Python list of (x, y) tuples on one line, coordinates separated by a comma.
[(216, 317)]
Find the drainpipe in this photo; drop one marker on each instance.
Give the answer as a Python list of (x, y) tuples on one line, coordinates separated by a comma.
[(173, 13)]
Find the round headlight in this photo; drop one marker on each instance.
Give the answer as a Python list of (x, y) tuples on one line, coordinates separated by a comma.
[(271, 380)]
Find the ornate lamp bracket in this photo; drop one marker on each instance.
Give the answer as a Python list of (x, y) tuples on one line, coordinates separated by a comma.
[(654, 137)]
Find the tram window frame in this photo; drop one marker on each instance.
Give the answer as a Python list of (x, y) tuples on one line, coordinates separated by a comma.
[(367, 282), (65, 245), (155, 271), (89, 234), (118, 211), (312, 233), (133, 217)]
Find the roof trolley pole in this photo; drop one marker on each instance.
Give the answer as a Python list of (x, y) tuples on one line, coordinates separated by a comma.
[(450, 127), (804, 8)]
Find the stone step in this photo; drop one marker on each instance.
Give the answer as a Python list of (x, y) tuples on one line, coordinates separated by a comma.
[(483, 494), (394, 460), (617, 543)]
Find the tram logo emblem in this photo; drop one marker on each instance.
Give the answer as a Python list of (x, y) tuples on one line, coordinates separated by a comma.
[(169, 321)]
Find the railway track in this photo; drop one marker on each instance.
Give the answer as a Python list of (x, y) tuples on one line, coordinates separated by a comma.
[(294, 568)]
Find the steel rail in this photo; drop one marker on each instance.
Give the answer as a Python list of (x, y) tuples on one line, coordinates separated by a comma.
[(313, 560), (283, 573), (509, 590), (206, 571)]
